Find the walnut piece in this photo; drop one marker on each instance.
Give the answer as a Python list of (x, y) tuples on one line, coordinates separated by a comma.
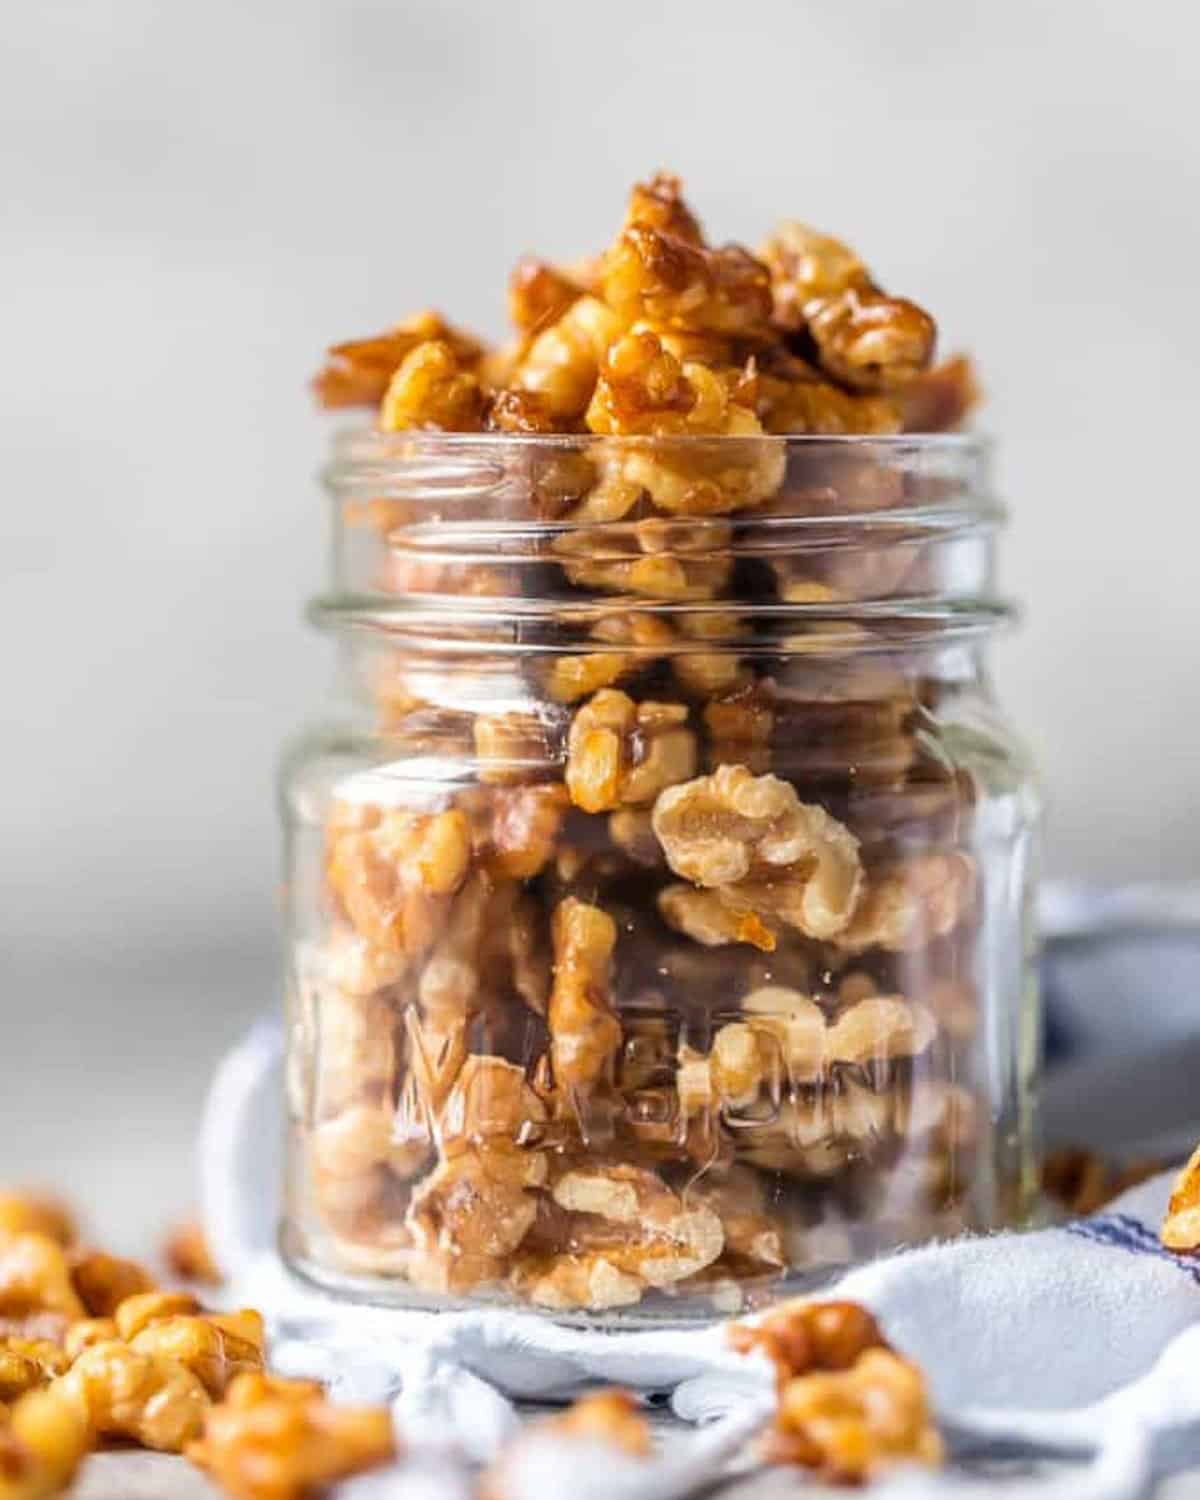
[(357, 373), (863, 337), (124, 1393), (705, 918), (393, 871), (1082, 1181), (433, 387), (35, 1277), (584, 1031), (562, 362), (274, 1439), (622, 754), (42, 1443), (188, 1256), (104, 1281), (672, 282), (905, 906), (763, 850), (1181, 1226), (36, 1213)]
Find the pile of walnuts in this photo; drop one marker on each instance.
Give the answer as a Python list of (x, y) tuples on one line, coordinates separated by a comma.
[(93, 1352), (669, 963)]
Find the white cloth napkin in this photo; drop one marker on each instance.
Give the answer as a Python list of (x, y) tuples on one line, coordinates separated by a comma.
[(1080, 1342)]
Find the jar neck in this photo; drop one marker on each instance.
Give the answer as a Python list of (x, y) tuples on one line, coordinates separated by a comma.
[(489, 575)]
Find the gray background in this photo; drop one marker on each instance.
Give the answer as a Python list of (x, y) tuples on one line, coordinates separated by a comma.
[(198, 198)]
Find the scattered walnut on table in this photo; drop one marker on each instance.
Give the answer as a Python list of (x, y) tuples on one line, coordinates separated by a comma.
[(36, 1213), (43, 1440), (127, 1394), (1181, 1226), (607, 1419), (35, 1278), (623, 754), (26, 1364), (188, 1256), (763, 850), (275, 1439)]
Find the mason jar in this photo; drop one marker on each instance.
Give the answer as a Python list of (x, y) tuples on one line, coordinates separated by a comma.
[(660, 881)]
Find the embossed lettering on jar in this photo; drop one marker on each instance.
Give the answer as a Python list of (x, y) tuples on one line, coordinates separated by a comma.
[(660, 884)]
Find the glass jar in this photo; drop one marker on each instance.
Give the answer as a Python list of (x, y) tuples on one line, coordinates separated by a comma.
[(660, 895)]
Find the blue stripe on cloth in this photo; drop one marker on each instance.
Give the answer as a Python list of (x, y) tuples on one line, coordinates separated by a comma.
[(1124, 1232)]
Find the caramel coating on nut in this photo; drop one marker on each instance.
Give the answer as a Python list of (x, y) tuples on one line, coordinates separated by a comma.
[(584, 1031), (766, 852), (669, 280), (357, 373), (42, 1443), (36, 1213), (562, 362), (863, 337), (124, 1393), (35, 1277), (623, 754), (1181, 1226), (854, 1423), (274, 1439), (433, 388)]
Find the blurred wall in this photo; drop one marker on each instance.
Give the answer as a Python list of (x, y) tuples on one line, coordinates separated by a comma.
[(198, 198)]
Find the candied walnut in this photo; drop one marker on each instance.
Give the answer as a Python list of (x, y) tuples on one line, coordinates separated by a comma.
[(104, 1281), (636, 1222), (789, 396), (524, 412), (704, 917), (35, 1278), (36, 1213), (573, 1282), (538, 294), (740, 728), (140, 1309), (215, 1348), (863, 337), (26, 1364), (905, 906), (188, 1255), (357, 373), (86, 1332), (611, 1416), (42, 1443), (941, 399), (490, 1099), (752, 840), (1181, 1226), (653, 558), (124, 1393), (621, 753), (363, 1137), (631, 831), (666, 278), (477, 1206), (659, 204), (517, 832), (573, 677), (853, 1423), (737, 1197), (275, 1439), (514, 747), (562, 362), (802, 1337), (432, 388), (393, 872), (604, 1419), (708, 674), (355, 1058), (584, 1031)]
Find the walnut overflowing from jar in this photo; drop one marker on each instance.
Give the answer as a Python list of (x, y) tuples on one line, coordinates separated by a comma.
[(761, 849)]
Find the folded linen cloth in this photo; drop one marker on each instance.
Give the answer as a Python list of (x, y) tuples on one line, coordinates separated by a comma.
[(1080, 1341)]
